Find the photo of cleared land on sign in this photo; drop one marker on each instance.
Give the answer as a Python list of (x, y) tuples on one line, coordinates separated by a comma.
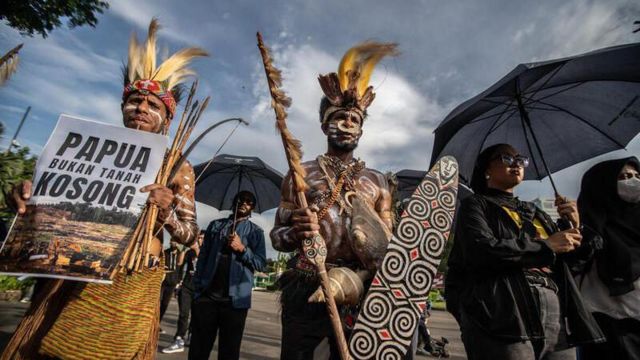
[(53, 240)]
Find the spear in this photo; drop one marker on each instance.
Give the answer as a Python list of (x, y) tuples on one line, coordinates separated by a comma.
[(314, 248)]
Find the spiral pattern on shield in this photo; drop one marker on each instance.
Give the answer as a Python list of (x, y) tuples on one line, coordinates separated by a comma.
[(409, 231), (441, 219), (428, 188), (389, 351), (394, 265), (420, 278), (403, 323), (419, 209), (447, 200), (433, 244), (363, 344), (378, 309)]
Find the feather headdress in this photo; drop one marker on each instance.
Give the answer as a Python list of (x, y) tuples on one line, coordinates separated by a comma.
[(142, 74), (349, 87), (9, 64)]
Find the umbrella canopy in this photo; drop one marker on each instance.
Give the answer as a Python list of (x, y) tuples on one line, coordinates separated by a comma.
[(558, 112), (408, 181), (221, 179)]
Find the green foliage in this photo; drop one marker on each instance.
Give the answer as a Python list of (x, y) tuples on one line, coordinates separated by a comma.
[(278, 265), (15, 167), (96, 214), (42, 16), (12, 283), (435, 296)]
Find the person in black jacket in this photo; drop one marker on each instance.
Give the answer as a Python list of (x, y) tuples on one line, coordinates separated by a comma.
[(172, 261), (609, 205), (508, 285), (185, 295)]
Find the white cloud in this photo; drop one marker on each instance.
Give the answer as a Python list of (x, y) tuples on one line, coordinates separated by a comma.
[(140, 14), (576, 27), (397, 132)]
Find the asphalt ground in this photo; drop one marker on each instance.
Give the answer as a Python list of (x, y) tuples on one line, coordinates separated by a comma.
[(262, 330)]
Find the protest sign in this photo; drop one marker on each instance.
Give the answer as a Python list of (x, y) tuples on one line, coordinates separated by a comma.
[(85, 201)]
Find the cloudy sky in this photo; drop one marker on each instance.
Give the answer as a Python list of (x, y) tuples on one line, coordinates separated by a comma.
[(451, 50)]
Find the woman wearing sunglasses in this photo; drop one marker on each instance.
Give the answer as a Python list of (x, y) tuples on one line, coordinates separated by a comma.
[(517, 298), (609, 205)]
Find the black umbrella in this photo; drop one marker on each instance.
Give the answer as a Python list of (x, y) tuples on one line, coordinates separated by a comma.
[(221, 179), (558, 112), (408, 181)]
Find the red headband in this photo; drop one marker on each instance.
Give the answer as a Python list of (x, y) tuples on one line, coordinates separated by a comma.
[(154, 87)]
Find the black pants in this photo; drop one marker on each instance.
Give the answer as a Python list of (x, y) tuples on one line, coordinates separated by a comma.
[(210, 318), (424, 335), (623, 340), (480, 345), (165, 297), (302, 331), (185, 298)]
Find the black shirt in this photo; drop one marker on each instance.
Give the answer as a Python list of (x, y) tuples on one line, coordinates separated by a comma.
[(219, 288), (172, 277), (190, 260)]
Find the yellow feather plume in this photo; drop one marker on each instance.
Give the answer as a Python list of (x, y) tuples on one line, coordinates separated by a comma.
[(133, 62), (176, 62), (362, 59), (150, 52), (9, 64), (142, 61), (7, 69)]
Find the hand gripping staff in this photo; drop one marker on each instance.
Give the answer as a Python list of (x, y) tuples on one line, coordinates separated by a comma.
[(315, 249)]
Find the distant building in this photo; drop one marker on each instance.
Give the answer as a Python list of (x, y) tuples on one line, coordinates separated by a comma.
[(547, 205)]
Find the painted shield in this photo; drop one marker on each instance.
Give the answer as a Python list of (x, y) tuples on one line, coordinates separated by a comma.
[(398, 293)]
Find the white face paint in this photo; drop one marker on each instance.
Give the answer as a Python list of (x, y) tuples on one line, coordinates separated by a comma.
[(149, 120), (337, 130), (354, 130)]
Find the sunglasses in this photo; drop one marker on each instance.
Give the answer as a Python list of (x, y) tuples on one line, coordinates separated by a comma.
[(511, 160), (246, 201)]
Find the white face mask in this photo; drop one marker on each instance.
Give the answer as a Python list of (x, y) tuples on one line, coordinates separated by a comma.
[(629, 190)]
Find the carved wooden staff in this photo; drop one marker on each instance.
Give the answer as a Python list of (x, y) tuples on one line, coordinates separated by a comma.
[(315, 249)]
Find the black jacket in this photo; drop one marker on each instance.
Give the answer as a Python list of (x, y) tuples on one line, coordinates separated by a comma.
[(486, 280)]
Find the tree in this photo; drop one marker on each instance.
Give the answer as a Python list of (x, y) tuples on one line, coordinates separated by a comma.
[(42, 16), (14, 167)]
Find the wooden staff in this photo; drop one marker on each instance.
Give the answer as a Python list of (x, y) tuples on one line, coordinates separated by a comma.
[(315, 248)]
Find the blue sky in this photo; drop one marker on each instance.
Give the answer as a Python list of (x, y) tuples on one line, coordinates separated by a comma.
[(451, 50)]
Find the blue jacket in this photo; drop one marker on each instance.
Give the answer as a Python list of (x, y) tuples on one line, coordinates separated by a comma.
[(242, 266)]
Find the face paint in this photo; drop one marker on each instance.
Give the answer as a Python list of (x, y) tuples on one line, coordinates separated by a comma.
[(354, 130), (342, 136), (143, 112)]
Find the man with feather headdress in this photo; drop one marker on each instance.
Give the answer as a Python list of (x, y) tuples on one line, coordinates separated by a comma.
[(119, 321), (350, 207)]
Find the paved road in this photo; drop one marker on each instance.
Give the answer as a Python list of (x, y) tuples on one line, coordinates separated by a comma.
[(262, 333)]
